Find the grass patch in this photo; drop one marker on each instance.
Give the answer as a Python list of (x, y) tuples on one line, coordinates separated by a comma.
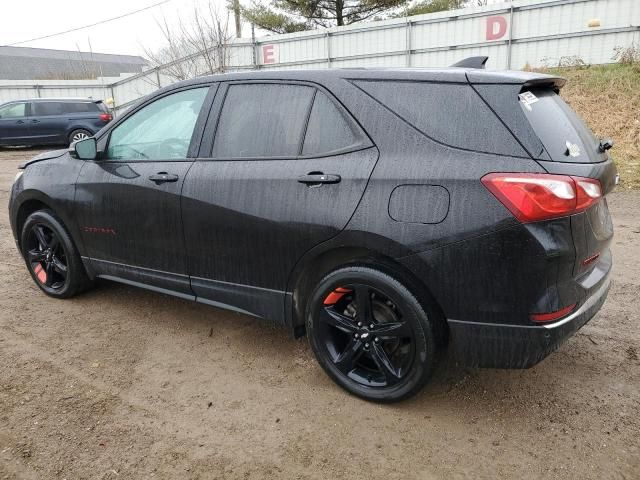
[(607, 97)]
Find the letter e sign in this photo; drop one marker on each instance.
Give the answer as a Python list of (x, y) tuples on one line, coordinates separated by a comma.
[(496, 27), (268, 54)]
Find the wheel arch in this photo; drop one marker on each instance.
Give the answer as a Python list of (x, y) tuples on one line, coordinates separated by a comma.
[(75, 127), (32, 201), (302, 283)]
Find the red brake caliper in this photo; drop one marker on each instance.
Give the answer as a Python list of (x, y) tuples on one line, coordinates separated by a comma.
[(40, 273), (336, 295)]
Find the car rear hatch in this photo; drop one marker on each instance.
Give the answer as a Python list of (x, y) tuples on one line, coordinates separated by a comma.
[(530, 105)]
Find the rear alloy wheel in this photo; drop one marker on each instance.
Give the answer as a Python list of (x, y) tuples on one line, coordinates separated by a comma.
[(51, 256), (78, 135), (371, 335)]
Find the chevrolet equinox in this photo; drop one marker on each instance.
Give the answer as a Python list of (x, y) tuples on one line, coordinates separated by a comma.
[(387, 214)]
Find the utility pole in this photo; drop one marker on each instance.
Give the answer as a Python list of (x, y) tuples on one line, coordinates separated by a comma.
[(236, 14)]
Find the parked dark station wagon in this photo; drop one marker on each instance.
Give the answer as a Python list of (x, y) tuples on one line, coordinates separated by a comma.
[(51, 121), (388, 214)]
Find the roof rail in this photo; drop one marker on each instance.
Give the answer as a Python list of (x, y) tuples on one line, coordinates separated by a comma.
[(471, 62)]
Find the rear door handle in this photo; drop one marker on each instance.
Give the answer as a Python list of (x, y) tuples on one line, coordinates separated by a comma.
[(317, 178), (163, 177), (20, 122), (35, 121)]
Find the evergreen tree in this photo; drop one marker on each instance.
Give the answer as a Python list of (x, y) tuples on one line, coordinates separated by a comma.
[(286, 16)]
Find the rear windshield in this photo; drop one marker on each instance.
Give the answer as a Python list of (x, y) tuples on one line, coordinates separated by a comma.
[(102, 107), (564, 135)]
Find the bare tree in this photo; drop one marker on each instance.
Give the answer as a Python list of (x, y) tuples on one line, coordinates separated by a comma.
[(195, 46)]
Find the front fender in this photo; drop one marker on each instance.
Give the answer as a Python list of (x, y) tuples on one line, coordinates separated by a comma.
[(35, 190)]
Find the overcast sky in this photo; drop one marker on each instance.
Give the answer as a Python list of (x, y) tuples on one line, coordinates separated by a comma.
[(24, 19)]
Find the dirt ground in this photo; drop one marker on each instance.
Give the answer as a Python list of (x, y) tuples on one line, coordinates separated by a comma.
[(128, 384)]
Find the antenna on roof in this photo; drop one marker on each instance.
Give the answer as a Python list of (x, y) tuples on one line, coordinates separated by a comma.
[(471, 62)]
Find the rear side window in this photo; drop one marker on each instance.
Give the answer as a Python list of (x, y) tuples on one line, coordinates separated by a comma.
[(43, 109), (262, 120), (452, 114), (328, 129), (81, 107)]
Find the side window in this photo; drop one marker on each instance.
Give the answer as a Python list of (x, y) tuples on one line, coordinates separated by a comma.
[(328, 129), (15, 110), (81, 107), (43, 109), (262, 120), (449, 113), (161, 130)]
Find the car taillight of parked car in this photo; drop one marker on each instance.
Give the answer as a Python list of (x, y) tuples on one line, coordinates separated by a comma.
[(532, 197), (106, 117)]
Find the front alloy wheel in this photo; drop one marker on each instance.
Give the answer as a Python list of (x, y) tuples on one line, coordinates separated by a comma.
[(51, 256), (370, 334), (46, 257)]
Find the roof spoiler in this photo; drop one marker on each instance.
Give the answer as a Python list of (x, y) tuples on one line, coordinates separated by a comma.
[(472, 62)]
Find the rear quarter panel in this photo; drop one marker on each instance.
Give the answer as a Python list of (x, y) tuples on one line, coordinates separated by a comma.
[(475, 259), (407, 157), (89, 122)]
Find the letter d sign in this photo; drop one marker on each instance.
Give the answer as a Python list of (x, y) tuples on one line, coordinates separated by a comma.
[(496, 27)]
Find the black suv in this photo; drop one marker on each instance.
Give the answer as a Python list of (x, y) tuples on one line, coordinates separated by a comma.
[(55, 121), (386, 214)]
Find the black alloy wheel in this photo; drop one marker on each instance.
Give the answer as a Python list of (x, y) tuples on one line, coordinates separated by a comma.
[(366, 336), (51, 256), (371, 335), (47, 257)]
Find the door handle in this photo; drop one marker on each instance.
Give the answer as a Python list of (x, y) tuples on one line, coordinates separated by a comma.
[(35, 121), (20, 122), (163, 177), (316, 178)]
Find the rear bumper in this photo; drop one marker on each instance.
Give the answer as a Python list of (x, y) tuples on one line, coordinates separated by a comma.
[(519, 346)]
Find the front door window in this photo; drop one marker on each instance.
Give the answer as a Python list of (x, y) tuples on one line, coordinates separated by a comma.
[(160, 131)]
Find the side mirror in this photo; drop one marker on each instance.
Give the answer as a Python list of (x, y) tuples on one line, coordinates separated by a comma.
[(85, 149)]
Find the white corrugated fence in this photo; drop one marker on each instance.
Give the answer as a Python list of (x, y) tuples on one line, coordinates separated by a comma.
[(512, 34)]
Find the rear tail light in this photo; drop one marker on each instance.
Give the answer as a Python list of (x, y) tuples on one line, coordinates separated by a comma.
[(106, 117), (551, 316), (532, 197)]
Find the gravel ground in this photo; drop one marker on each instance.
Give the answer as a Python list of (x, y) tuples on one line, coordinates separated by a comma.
[(125, 383)]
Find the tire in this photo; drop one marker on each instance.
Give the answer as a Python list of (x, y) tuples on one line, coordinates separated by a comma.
[(51, 256), (387, 358), (79, 134)]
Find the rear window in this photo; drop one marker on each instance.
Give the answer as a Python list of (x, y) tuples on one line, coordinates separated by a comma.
[(102, 107), (452, 114), (262, 120), (564, 135), (328, 129)]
